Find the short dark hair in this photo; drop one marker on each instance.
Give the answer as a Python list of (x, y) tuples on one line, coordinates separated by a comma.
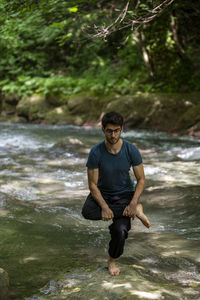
[(112, 118)]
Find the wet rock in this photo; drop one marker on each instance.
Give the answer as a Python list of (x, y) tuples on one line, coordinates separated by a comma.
[(4, 284), (72, 144)]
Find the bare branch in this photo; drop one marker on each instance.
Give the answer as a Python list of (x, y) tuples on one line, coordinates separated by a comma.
[(121, 23)]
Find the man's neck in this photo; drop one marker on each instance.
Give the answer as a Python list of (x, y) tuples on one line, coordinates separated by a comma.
[(114, 148)]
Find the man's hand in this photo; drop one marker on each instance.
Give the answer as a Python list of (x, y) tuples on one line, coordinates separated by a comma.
[(107, 214), (130, 210)]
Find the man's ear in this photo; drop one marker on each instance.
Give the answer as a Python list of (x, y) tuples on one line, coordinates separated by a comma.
[(103, 129)]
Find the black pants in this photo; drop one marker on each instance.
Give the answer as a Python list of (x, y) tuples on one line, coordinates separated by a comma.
[(120, 226)]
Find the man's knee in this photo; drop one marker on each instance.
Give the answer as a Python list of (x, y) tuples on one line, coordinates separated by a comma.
[(85, 213), (91, 210)]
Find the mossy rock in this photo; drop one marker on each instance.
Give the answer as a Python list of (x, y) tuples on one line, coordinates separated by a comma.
[(12, 99), (8, 108), (120, 104), (160, 111), (81, 104), (56, 101), (33, 108), (157, 111), (59, 115), (133, 108), (164, 111), (17, 119), (141, 107), (190, 117), (76, 101), (194, 130)]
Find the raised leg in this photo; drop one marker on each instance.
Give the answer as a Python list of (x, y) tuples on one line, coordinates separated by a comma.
[(143, 218)]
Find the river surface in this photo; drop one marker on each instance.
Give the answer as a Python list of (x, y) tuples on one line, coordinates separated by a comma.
[(47, 247)]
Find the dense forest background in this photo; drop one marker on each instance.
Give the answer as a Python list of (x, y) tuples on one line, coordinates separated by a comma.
[(50, 46), (61, 48)]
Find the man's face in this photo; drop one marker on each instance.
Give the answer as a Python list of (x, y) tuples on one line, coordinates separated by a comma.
[(112, 133)]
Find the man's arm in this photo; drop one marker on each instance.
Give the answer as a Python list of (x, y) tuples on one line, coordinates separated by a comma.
[(130, 210), (106, 212)]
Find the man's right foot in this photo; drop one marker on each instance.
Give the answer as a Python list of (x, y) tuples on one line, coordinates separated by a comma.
[(112, 268), (143, 218)]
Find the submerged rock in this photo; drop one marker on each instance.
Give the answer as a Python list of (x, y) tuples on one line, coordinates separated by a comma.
[(134, 282), (71, 144), (4, 284)]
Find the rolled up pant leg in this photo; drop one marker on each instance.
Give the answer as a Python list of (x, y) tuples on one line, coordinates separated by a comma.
[(119, 233)]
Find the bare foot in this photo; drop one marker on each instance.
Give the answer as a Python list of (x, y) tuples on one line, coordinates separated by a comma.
[(112, 268), (143, 218)]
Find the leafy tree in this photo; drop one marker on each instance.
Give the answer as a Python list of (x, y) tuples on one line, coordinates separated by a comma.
[(56, 46)]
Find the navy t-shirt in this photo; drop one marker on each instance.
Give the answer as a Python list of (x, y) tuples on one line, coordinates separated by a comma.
[(114, 177)]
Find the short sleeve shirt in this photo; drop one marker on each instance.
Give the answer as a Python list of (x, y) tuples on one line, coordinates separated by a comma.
[(114, 177)]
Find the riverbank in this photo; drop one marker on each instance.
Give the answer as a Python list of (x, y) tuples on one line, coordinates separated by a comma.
[(173, 113)]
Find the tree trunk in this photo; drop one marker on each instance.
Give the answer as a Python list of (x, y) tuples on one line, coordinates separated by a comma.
[(174, 28), (146, 54)]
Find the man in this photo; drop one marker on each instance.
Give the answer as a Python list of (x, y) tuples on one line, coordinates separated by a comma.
[(112, 193)]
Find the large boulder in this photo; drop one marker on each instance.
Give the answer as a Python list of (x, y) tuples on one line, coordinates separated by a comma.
[(8, 109), (8, 104), (168, 112), (59, 115), (190, 118), (134, 108), (57, 101), (12, 99), (33, 108), (195, 130), (87, 107), (4, 284)]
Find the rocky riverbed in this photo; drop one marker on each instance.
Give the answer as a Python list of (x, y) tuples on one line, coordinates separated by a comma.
[(173, 113), (50, 251)]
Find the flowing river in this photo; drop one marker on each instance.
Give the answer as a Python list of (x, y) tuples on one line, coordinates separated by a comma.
[(50, 251)]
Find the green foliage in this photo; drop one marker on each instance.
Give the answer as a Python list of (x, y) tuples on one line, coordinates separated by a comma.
[(45, 48)]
